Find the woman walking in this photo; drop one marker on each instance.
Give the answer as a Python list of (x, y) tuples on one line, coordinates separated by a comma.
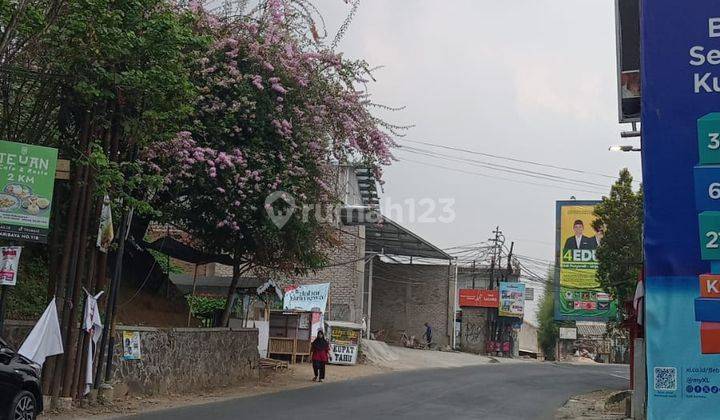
[(320, 352)]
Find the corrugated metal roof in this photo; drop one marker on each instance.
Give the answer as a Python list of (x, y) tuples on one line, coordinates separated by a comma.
[(591, 330)]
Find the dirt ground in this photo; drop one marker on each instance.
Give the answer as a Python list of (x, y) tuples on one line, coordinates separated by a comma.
[(592, 406)]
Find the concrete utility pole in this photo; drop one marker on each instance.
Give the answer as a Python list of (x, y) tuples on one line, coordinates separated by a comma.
[(473, 274)]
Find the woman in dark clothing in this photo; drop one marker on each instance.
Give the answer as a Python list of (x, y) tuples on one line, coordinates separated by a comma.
[(320, 353)]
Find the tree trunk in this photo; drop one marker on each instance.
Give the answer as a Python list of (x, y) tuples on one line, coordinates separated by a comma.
[(76, 282), (231, 295)]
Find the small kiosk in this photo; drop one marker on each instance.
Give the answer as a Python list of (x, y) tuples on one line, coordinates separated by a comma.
[(344, 341)]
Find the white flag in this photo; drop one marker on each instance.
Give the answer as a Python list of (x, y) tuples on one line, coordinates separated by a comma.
[(105, 234), (45, 339), (93, 326)]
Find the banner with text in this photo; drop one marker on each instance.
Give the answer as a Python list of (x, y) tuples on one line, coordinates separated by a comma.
[(27, 180), (578, 294), (512, 299), (308, 297), (479, 298), (681, 188)]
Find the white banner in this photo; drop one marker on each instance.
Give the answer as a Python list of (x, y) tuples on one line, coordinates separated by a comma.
[(309, 297), (568, 333)]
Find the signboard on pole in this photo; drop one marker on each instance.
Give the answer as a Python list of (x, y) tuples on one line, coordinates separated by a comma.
[(512, 299), (27, 180), (479, 298), (9, 262), (568, 333), (578, 294), (681, 164)]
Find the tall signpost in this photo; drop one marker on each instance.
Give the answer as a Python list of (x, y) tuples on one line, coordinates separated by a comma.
[(681, 175)]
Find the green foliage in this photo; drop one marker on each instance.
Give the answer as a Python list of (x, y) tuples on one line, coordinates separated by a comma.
[(205, 306), (167, 266), (548, 331), (620, 252)]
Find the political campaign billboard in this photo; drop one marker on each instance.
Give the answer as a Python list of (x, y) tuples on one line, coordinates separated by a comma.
[(578, 295)]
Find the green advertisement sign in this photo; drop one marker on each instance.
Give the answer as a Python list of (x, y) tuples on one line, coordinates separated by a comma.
[(578, 292), (27, 179)]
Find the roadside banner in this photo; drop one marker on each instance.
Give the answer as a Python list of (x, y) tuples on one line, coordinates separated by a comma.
[(308, 297), (568, 333), (479, 298), (131, 345), (344, 342), (9, 261), (512, 299), (681, 188), (27, 180), (578, 294)]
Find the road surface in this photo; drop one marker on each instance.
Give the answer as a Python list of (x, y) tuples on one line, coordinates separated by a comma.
[(525, 390)]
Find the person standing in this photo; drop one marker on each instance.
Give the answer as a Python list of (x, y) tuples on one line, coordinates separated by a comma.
[(428, 333), (320, 354)]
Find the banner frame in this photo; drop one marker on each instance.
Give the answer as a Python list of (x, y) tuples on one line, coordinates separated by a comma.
[(558, 252)]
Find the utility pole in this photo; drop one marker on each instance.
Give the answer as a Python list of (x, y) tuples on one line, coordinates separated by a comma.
[(495, 241), (509, 264), (473, 275)]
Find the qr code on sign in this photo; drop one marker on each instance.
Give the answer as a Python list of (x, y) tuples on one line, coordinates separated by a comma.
[(665, 379)]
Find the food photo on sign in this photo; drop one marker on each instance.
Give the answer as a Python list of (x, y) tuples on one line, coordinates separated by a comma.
[(27, 181)]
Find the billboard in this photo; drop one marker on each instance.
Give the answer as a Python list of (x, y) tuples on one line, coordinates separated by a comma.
[(27, 181), (512, 299), (578, 295), (627, 22), (681, 158), (479, 298)]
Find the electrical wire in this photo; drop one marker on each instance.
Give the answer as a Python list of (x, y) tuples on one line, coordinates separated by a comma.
[(502, 168), (529, 162), (557, 187)]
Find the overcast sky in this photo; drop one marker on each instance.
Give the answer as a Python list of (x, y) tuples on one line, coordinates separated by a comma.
[(529, 79)]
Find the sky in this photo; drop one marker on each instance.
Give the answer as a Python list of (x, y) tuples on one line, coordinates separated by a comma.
[(532, 80)]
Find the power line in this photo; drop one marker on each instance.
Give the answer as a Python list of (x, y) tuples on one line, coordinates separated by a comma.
[(529, 162), (517, 181), (500, 168)]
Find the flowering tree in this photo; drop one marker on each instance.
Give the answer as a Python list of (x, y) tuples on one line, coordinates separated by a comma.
[(275, 108)]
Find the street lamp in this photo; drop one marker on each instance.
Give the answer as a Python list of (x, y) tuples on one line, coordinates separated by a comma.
[(624, 149)]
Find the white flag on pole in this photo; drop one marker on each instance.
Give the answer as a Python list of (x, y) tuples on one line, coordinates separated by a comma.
[(45, 339), (93, 326)]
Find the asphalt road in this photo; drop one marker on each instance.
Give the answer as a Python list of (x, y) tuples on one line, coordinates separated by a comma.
[(496, 391)]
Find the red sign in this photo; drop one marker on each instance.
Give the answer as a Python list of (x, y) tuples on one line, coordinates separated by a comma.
[(479, 298), (709, 286)]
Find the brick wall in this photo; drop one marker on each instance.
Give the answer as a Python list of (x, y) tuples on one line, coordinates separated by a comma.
[(345, 273), (405, 296), (474, 332)]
